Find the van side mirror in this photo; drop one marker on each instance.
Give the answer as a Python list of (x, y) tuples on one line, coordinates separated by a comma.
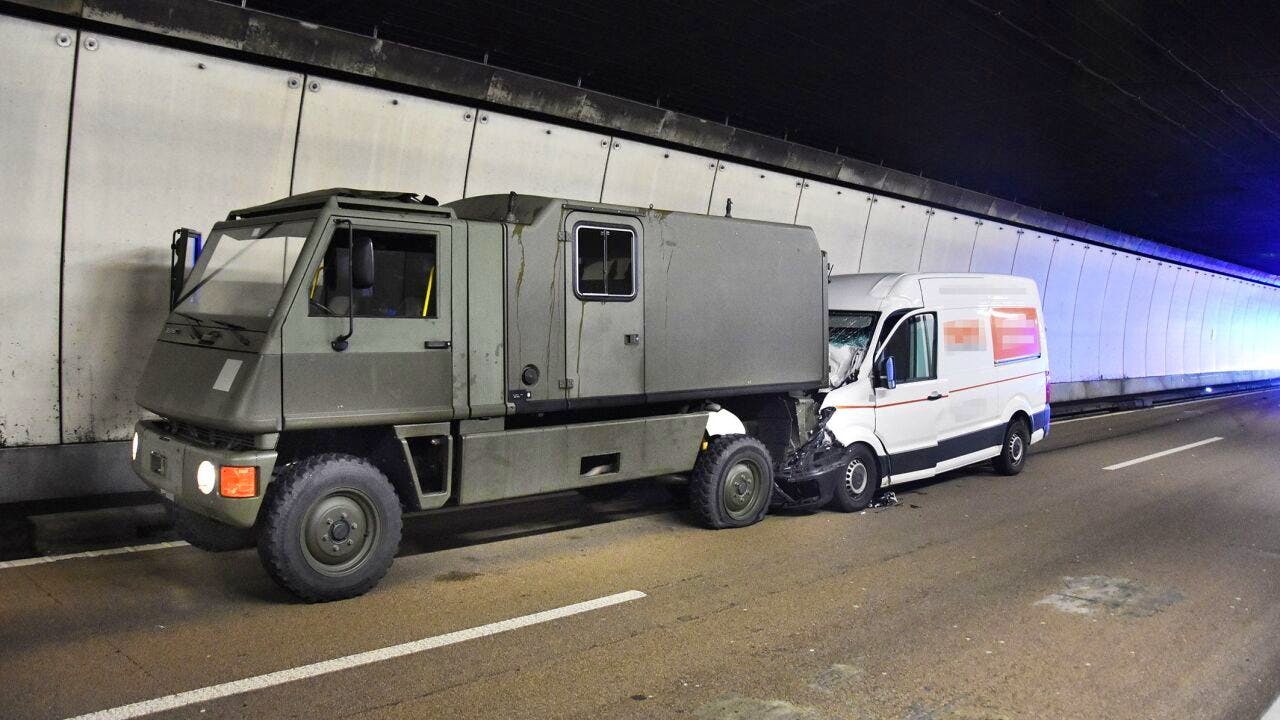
[(887, 379), (362, 266)]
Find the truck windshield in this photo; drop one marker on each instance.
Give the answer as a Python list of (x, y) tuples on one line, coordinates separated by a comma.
[(241, 272), (849, 335)]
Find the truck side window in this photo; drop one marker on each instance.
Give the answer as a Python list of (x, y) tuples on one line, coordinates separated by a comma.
[(406, 283), (605, 262), (914, 349)]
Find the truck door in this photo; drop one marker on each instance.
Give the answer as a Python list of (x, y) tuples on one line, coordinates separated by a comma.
[(907, 416), (397, 366), (604, 307)]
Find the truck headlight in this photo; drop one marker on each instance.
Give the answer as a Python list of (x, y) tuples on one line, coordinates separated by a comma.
[(206, 476), (133, 454)]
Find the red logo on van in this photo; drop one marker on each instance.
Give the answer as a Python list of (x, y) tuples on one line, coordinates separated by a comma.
[(1015, 333)]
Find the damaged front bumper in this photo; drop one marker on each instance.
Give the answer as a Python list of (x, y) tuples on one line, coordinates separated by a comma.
[(170, 463), (809, 475)]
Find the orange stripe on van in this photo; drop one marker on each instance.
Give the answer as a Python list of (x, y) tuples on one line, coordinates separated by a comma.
[(925, 399), (993, 382)]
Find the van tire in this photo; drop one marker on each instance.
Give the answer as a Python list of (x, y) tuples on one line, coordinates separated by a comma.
[(850, 494), (1013, 453), (732, 482), (209, 534), (313, 506)]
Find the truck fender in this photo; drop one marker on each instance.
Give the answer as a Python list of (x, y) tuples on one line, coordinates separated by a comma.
[(723, 422)]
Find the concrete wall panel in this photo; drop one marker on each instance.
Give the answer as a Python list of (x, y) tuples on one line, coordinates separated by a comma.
[(361, 137), (186, 139), (757, 194), (1060, 304), (895, 236), (839, 217), (35, 105), (535, 158), (1138, 318), (1158, 318), (1115, 315), (1174, 363), (1229, 316), (1086, 325), (1212, 328), (948, 243), (994, 248), (644, 175), (1031, 258), (1192, 329)]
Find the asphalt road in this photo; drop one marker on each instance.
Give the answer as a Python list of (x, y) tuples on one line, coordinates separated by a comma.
[(1069, 591)]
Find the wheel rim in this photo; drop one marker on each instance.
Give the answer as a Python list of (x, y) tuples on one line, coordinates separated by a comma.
[(339, 532), (855, 478), (1015, 448), (742, 491)]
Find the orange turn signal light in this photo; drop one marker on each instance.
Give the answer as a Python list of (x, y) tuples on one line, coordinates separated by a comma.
[(238, 482)]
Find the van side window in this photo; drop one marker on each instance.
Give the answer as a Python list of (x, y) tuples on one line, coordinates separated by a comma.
[(604, 258), (406, 284), (914, 349)]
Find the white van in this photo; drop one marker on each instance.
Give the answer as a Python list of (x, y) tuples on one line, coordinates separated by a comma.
[(930, 372)]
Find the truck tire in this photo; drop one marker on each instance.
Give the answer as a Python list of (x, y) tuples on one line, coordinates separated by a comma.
[(858, 483), (209, 534), (330, 528), (732, 482), (1013, 453)]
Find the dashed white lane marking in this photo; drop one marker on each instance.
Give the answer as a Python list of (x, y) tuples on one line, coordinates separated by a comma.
[(23, 562), (214, 692), (1162, 453), (1161, 407)]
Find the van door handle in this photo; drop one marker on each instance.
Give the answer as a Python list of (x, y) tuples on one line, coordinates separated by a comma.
[(436, 344), (935, 395)]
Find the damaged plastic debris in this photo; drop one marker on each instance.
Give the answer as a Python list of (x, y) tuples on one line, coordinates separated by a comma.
[(885, 499)]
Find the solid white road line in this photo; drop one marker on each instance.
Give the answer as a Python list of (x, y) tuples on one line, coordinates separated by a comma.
[(1273, 712), (1161, 454), (1161, 407), (214, 692), (89, 554)]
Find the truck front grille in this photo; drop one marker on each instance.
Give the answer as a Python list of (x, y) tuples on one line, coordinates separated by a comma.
[(210, 437)]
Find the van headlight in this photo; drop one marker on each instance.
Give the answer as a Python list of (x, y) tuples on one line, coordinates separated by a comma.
[(133, 454), (206, 476)]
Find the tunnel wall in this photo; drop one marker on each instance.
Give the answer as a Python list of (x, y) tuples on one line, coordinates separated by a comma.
[(110, 143)]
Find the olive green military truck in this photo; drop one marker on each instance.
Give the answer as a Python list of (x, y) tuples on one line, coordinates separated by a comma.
[(336, 359)]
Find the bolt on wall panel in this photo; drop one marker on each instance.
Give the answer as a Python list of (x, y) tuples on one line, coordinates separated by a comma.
[(644, 175), (1158, 319), (1116, 315), (757, 194), (948, 243), (895, 236), (361, 137), (35, 104), (839, 218), (532, 157), (1060, 304), (994, 248), (1178, 305), (162, 138), (1138, 317), (1031, 258), (1091, 313)]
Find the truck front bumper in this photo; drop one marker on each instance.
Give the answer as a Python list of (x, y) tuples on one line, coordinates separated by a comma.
[(169, 464)]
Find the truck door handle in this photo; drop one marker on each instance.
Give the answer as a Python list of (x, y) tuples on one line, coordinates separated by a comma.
[(935, 395), (436, 344)]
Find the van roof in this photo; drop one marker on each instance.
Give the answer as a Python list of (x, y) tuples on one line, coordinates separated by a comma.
[(892, 291)]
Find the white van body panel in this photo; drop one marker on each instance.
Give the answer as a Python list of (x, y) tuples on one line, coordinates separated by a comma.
[(989, 365)]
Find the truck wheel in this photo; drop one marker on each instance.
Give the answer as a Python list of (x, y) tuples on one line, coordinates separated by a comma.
[(732, 482), (858, 483), (209, 534), (1013, 454), (330, 529)]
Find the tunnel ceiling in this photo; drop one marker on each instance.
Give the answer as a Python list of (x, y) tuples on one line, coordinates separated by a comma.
[(1161, 119)]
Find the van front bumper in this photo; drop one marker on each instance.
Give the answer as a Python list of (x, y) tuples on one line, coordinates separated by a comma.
[(169, 464)]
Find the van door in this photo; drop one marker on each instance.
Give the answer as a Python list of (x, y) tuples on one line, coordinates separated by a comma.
[(907, 416), (397, 366), (604, 308)]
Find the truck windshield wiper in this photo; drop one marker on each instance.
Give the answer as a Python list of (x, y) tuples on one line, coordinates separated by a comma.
[(234, 328), (195, 331)]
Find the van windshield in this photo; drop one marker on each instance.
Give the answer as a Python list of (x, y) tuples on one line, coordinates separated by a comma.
[(849, 334), (241, 272)]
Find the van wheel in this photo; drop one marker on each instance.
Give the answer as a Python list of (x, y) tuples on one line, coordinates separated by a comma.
[(330, 528), (732, 482), (858, 483), (209, 534), (1013, 454)]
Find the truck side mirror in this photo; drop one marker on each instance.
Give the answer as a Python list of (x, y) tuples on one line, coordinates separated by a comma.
[(362, 265), (887, 377)]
